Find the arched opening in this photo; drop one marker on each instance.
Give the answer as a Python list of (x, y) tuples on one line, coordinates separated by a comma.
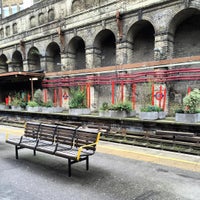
[(78, 5), (186, 29), (34, 59), (53, 59), (141, 38), (17, 62), (3, 64), (51, 15), (105, 43), (41, 18), (77, 53)]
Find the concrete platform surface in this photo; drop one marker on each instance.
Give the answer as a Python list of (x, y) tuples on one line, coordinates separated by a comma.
[(119, 172)]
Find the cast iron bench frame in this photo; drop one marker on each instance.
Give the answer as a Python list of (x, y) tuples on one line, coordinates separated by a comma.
[(74, 143)]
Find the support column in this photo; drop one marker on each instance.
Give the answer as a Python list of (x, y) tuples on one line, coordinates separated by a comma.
[(163, 46), (124, 52), (68, 61), (44, 63), (10, 67), (4, 68), (93, 57), (25, 65)]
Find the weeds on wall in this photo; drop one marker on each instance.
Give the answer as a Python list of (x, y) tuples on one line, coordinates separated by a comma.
[(144, 94), (77, 98)]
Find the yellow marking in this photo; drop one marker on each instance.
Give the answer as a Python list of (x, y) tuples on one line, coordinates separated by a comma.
[(169, 161), (9, 131)]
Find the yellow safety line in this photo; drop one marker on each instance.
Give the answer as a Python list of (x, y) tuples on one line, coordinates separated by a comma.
[(184, 164), (8, 131)]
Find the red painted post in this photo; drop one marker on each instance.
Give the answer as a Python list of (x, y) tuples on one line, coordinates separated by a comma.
[(55, 97), (189, 90), (152, 90), (133, 96), (88, 94), (164, 100), (60, 96), (45, 95), (122, 91), (160, 99), (113, 92)]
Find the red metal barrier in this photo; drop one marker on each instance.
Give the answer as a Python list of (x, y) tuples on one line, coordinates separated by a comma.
[(161, 76)]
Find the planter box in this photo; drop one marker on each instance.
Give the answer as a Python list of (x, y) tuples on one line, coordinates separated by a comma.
[(2, 107), (32, 109), (103, 113), (47, 109), (58, 109), (148, 115), (16, 108), (117, 114), (152, 115), (161, 115), (186, 117), (79, 111)]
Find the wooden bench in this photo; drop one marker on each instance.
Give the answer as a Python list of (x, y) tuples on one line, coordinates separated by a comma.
[(31, 131), (73, 143)]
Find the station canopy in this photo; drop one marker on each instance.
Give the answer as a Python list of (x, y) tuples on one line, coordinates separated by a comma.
[(20, 76)]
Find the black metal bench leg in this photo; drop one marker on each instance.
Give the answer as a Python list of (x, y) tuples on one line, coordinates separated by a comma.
[(69, 167), (87, 163), (16, 152)]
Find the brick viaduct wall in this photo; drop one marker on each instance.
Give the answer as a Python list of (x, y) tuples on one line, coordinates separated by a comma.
[(67, 35)]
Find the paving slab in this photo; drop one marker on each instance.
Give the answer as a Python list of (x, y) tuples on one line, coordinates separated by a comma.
[(114, 174)]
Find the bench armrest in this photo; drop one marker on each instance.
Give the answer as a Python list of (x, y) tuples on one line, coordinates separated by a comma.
[(87, 145)]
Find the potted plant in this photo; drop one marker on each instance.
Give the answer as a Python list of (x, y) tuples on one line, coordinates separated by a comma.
[(16, 102), (120, 110), (77, 102), (47, 107), (32, 106), (104, 110), (151, 113), (2, 106), (189, 111)]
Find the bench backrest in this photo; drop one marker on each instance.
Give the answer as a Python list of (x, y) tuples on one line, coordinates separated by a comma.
[(31, 129), (65, 135), (85, 136), (47, 132)]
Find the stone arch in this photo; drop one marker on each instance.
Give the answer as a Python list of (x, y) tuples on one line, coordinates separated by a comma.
[(141, 39), (91, 3), (105, 45), (78, 5), (53, 58), (17, 61), (15, 28), (76, 51), (41, 18), (32, 21), (185, 29), (1, 33), (34, 59), (51, 15), (3, 64)]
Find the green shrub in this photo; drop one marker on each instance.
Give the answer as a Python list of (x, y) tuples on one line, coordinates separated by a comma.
[(121, 106), (191, 101), (151, 108), (105, 106), (38, 97), (77, 98), (48, 104), (32, 104)]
